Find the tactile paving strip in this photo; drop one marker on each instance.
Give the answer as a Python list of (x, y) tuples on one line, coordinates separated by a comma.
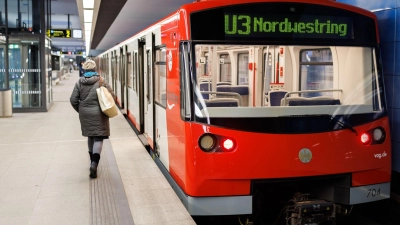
[(109, 205)]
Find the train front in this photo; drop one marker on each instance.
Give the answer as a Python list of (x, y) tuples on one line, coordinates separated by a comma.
[(287, 102)]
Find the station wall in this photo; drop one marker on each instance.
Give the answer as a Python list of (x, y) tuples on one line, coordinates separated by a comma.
[(388, 14)]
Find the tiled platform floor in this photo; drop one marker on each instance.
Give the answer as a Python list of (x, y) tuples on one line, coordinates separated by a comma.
[(44, 175)]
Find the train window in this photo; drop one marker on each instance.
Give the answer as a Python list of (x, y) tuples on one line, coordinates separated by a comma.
[(161, 77), (149, 80), (205, 65), (315, 79), (225, 70), (202, 66), (133, 67), (135, 73), (316, 71), (105, 59), (122, 68), (185, 80), (267, 71), (117, 67), (130, 74), (107, 65), (114, 67), (243, 71), (102, 67)]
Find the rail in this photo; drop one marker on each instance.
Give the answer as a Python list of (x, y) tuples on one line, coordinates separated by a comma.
[(307, 91), (224, 93)]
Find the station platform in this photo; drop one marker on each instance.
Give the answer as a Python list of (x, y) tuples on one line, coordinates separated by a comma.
[(44, 172)]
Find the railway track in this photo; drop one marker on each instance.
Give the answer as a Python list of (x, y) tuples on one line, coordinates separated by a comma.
[(384, 212)]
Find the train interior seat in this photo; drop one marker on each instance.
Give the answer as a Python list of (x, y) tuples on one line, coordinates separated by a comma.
[(222, 102), (205, 86), (302, 101), (274, 97), (242, 90), (314, 102), (223, 83)]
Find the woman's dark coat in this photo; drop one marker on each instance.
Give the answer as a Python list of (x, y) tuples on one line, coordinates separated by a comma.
[(84, 100)]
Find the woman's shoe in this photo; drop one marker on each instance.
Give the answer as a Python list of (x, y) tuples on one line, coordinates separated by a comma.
[(94, 164), (93, 170), (91, 158)]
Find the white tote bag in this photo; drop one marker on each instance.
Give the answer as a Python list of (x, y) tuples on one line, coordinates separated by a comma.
[(106, 102)]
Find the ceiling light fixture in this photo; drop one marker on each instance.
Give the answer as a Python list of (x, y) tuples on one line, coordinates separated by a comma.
[(87, 15), (88, 4)]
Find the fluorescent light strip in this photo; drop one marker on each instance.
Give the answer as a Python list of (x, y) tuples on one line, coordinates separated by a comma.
[(88, 26), (87, 16), (88, 4)]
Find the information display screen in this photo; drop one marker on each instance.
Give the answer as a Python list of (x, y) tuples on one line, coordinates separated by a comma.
[(59, 33), (251, 25), (283, 22)]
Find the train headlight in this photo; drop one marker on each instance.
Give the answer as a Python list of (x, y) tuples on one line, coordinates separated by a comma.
[(228, 145), (379, 134), (365, 138), (207, 142)]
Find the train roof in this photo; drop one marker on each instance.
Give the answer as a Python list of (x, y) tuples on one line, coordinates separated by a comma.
[(199, 5)]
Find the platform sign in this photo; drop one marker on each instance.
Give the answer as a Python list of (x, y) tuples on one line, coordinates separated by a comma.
[(59, 33), (71, 53)]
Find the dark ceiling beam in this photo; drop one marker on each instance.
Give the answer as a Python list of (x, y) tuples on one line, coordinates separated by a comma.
[(108, 11)]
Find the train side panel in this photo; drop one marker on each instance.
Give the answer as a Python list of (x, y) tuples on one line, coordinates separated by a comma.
[(133, 96), (171, 35)]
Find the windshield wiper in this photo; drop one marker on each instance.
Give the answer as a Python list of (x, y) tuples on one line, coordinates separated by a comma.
[(338, 122), (343, 125)]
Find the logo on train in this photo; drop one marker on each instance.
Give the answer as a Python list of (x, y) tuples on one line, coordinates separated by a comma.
[(305, 155), (380, 155)]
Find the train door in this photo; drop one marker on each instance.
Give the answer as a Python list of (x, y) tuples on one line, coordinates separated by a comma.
[(113, 71), (140, 88), (160, 104), (274, 69), (268, 68), (118, 77), (129, 78), (109, 71), (122, 75), (149, 89)]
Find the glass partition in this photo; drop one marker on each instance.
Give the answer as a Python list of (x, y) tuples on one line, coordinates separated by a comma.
[(25, 60), (2, 15), (49, 80), (24, 71), (20, 15), (2, 44), (2, 63)]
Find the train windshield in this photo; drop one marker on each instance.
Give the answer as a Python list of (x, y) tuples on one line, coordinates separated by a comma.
[(233, 81)]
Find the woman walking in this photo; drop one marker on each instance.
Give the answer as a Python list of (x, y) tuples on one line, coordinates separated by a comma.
[(94, 123)]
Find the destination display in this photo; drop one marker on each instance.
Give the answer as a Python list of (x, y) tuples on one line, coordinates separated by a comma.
[(283, 22), (238, 25)]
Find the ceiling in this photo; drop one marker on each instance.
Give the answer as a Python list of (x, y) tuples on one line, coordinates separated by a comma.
[(113, 20)]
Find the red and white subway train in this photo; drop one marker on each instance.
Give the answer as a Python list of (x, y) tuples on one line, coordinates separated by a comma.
[(242, 97)]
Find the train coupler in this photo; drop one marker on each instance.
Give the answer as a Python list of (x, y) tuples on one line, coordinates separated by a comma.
[(303, 211)]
